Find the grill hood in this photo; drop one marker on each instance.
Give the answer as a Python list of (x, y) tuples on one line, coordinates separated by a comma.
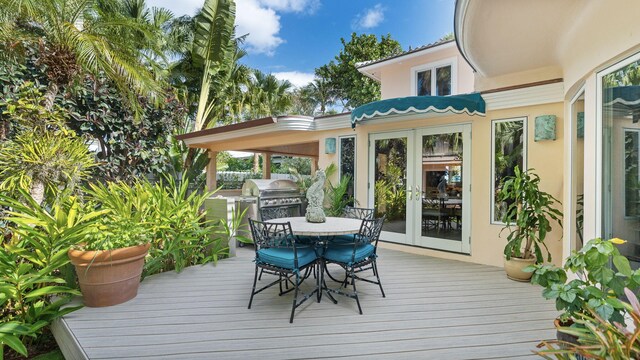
[(269, 187)]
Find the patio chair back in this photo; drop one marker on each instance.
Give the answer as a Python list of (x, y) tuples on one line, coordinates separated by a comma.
[(271, 235), (357, 213)]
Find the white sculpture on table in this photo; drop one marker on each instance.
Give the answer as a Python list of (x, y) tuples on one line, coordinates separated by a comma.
[(315, 197)]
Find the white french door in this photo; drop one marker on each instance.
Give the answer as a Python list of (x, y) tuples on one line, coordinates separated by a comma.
[(420, 179)]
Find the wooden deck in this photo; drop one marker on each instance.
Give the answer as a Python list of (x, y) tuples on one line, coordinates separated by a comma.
[(434, 309)]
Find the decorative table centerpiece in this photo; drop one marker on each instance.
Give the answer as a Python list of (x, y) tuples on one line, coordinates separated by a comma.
[(315, 198)]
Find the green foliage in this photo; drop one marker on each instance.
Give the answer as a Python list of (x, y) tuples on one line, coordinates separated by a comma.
[(348, 83), (129, 145), (126, 218), (107, 43), (300, 164), (530, 211), (33, 290), (599, 338), (337, 197), (43, 156), (213, 47), (180, 234), (598, 285), (390, 194)]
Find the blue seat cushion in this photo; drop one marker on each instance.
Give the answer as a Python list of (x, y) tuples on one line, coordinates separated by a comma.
[(343, 253), (284, 257), (341, 239)]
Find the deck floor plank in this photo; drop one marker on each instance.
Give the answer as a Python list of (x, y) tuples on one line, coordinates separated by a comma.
[(435, 308)]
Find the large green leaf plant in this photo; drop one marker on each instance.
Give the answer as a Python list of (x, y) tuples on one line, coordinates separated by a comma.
[(529, 215)]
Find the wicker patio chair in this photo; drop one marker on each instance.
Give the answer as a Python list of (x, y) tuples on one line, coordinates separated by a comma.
[(277, 252), (357, 256)]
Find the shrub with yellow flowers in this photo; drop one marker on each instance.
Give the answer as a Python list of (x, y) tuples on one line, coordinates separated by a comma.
[(600, 275)]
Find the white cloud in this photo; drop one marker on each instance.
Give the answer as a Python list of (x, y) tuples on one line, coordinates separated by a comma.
[(297, 78), (262, 24), (370, 18)]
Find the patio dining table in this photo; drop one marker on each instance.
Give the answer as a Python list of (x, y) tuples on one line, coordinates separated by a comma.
[(333, 226)]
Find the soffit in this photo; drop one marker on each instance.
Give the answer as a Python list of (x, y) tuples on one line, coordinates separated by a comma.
[(508, 36)]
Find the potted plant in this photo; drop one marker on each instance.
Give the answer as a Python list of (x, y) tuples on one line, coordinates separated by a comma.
[(601, 275), (110, 260), (528, 217)]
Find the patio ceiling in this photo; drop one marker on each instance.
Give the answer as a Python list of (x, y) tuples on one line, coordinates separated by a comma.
[(499, 37), (284, 135)]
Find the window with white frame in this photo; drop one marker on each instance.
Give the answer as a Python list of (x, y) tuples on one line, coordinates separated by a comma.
[(347, 158), (436, 79), (508, 150)]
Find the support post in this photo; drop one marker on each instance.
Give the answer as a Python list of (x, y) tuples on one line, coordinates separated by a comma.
[(314, 165), (266, 165), (212, 171)]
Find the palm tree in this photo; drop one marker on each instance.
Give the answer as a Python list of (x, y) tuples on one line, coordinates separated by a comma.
[(84, 37)]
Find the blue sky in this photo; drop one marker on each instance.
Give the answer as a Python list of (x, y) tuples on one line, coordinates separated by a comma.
[(290, 38)]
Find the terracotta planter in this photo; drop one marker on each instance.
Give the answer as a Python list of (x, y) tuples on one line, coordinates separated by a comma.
[(109, 277), (514, 268)]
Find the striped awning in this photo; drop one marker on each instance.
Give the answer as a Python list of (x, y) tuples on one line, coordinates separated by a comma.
[(470, 104)]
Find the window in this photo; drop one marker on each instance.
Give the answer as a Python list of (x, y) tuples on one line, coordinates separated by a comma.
[(619, 98), (347, 156), (508, 139), (434, 79)]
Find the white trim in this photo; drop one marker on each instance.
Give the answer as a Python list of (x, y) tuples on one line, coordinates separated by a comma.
[(534, 95), (355, 163), (284, 123), (433, 66), (599, 176), (413, 110), (525, 136), (400, 58), (570, 135)]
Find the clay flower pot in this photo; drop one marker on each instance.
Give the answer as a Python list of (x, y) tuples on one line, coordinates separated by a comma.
[(109, 277), (514, 266)]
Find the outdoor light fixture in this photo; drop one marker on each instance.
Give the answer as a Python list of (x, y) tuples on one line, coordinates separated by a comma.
[(330, 145), (545, 127)]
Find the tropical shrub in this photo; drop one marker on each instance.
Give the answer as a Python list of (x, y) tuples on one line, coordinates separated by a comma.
[(531, 211), (43, 156), (599, 338), (337, 197), (33, 288), (180, 234), (598, 285)]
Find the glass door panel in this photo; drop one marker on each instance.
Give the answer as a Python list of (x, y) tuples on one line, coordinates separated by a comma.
[(442, 183), (389, 183)]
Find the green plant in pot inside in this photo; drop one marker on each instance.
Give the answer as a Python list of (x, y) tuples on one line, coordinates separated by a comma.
[(601, 274), (528, 218), (110, 260)]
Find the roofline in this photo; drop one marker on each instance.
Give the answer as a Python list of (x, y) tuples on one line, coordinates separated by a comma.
[(228, 128), (408, 54), (458, 22)]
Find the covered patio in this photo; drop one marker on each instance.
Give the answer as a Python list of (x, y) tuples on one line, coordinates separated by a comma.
[(434, 309)]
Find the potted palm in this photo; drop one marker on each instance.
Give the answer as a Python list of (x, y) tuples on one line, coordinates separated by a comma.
[(110, 260), (528, 218)]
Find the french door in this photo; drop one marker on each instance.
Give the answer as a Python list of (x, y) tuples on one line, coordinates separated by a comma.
[(420, 179)]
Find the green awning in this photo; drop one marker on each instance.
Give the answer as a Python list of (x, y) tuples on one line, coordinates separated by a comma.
[(470, 104)]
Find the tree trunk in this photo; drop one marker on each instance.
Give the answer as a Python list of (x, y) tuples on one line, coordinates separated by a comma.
[(37, 191), (50, 95), (256, 162)]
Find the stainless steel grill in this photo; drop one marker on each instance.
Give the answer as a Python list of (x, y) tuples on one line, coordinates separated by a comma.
[(273, 193)]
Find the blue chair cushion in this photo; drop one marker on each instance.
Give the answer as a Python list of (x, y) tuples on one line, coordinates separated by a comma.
[(343, 253), (284, 257), (341, 239)]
